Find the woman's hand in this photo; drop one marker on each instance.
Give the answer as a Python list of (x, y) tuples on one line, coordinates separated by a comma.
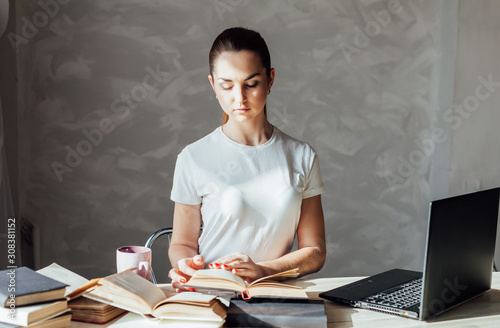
[(241, 265), (184, 271)]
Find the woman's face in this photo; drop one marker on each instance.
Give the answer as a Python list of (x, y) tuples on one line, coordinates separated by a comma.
[(241, 84)]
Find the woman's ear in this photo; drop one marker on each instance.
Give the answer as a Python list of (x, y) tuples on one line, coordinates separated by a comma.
[(212, 84), (211, 81), (272, 73)]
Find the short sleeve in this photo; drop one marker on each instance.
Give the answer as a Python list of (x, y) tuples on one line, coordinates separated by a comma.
[(314, 183), (184, 189)]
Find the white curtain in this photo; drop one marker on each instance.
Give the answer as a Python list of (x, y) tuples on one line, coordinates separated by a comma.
[(6, 208)]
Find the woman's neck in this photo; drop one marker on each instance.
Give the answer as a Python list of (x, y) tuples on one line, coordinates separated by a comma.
[(247, 133)]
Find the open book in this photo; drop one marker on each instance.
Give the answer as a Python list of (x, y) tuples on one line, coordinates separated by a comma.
[(82, 309), (222, 280), (129, 291), (59, 273)]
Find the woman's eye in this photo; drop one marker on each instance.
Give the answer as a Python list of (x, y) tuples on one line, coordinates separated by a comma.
[(253, 85), (225, 86)]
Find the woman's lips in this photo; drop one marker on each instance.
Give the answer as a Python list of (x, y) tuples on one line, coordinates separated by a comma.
[(241, 110)]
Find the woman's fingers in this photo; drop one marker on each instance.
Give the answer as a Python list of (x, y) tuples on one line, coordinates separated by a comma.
[(198, 262), (178, 281), (230, 260), (181, 288), (239, 264), (248, 274), (177, 276), (184, 271), (190, 265)]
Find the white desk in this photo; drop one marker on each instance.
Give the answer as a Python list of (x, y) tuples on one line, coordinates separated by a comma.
[(483, 311)]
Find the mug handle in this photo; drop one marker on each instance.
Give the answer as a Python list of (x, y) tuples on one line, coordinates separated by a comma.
[(144, 265)]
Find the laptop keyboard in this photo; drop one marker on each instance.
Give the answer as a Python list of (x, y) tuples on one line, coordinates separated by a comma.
[(402, 296)]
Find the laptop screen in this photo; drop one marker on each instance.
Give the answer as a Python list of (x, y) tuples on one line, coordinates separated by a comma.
[(460, 250)]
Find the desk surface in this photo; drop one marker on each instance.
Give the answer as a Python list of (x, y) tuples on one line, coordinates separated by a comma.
[(483, 311)]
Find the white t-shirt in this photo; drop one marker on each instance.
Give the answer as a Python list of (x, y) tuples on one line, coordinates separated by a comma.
[(251, 195)]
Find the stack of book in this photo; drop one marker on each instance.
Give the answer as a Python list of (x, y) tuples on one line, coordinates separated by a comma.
[(82, 309), (30, 299)]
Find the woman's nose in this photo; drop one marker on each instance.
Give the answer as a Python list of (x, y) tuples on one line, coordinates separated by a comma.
[(239, 95)]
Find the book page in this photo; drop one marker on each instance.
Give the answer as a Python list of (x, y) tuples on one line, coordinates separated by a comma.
[(135, 286), (167, 289), (191, 306), (178, 311), (293, 273), (88, 304), (189, 298), (275, 284), (136, 320), (119, 298), (277, 290), (59, 273), (219, 274)]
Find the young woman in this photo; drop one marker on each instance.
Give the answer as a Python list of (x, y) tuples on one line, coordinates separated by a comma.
[(251, 187)]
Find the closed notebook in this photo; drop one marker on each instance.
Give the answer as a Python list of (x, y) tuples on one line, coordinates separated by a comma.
[(24, 286)]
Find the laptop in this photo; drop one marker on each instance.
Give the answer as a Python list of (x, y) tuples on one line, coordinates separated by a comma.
[(458, 264)]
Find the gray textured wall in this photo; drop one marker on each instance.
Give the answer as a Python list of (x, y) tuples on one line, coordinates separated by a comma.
[(475, 152), (363, 82)]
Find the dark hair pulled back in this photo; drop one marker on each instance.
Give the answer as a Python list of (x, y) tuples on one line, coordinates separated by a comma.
[(240, 39)]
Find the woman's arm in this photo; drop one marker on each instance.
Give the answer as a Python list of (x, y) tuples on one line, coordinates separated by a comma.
[(183, 249), (308, 258), (311, 253)]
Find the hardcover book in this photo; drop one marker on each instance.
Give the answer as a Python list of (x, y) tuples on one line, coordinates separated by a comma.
[(87, 310), (23, 286), (32, 314), (59, 321)]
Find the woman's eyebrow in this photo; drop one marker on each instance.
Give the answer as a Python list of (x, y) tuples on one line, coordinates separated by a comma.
[(229, 80)]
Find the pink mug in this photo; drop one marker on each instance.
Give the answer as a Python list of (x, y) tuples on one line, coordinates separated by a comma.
[(138, 257)]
